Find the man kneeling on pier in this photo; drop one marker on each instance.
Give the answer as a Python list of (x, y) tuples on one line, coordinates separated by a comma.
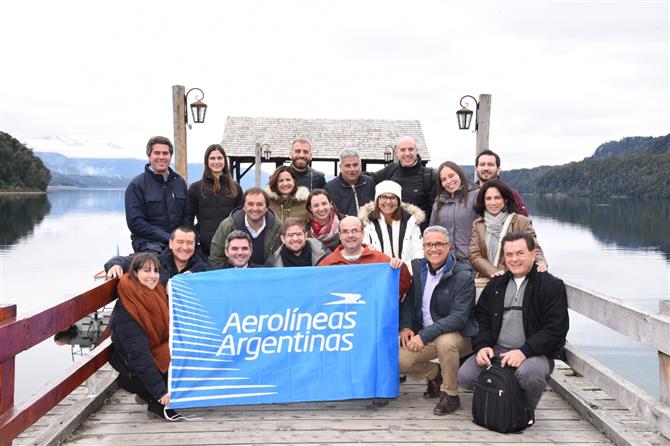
[(523, 318), (437, 319)]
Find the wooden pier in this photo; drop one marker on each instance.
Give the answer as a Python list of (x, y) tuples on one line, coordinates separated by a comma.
[(585, 403)]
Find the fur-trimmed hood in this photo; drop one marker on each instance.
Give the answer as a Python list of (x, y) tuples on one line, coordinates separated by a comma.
[(300, 195), (414, 211)]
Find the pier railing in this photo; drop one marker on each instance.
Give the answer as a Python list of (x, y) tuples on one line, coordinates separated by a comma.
[(19, 335), (16, 336), (647, 328)]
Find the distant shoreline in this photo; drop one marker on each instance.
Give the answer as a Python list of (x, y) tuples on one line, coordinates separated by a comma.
[(22, 192)]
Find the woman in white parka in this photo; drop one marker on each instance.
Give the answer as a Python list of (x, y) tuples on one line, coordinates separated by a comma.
[(392, 226)]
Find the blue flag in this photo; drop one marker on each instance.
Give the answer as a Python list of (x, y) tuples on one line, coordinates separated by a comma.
[(278, 335)]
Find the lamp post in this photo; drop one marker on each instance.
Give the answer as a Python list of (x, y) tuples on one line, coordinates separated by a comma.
[(388, 153), (262, 152), (482, 119), (180, 121)]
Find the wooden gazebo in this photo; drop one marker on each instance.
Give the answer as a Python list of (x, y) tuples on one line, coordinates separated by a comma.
[(242, 135)]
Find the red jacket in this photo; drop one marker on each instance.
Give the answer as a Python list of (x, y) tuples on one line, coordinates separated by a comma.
[(369, 255)]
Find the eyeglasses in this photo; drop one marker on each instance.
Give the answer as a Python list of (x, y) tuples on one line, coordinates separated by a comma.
[(435, 245), (294, 234), (351, 231), (387, 198)]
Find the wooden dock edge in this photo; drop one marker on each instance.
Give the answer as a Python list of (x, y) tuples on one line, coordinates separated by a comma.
[(574, 389), (65, 423)]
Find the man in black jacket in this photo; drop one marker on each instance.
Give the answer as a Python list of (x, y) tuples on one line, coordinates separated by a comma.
[(418, 182), (351, 189), (156, 200), (437, 319), (301, 156), (523, 318), (181, 256)]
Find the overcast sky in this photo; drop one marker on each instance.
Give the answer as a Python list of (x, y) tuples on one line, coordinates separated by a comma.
[(564, 76)]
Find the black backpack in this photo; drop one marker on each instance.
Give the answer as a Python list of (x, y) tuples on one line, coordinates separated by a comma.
[(498, 402)]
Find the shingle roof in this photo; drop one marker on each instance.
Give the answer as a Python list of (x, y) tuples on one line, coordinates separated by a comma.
[(327, 136)]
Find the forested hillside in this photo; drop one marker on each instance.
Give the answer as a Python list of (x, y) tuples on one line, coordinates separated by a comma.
[(633, 166), (20, 169)]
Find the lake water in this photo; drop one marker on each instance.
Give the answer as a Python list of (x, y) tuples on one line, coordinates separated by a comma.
[(52, 245)]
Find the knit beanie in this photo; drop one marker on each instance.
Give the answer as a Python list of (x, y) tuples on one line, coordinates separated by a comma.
[(388, 187)]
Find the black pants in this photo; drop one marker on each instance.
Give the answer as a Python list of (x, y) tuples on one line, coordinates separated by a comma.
[(133, 385)]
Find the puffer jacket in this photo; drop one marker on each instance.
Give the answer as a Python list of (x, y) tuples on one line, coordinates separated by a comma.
[(154, 207), (451, 305), (456, 218), (410, 243), (478, 256), (131, 355), (285, 207), (210, 210)]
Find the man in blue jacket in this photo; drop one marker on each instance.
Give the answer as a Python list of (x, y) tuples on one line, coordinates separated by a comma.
[(156, 200), (437, 319)]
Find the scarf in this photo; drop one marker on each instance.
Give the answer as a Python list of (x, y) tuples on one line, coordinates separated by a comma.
[(327, 234), (289, 258), (494, 225), (149, 308)]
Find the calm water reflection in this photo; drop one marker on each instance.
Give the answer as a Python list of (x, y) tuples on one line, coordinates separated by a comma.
[(625, 223), (20, 214), (50, 247)]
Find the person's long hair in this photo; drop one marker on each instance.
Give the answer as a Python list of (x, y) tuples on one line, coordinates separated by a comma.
[(138, 262), (273, 182), (465, 185), (231, 191), (315, 193), (505, 192)]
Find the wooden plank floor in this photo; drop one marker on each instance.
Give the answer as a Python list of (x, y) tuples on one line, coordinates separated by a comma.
[(407, 420)]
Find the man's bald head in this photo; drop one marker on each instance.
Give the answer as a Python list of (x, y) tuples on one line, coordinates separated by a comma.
[(406, 151)]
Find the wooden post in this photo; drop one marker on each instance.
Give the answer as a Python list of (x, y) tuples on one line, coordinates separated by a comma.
[(179, 125), (7, 314), (664, 360), (258, 164), (483, 123)]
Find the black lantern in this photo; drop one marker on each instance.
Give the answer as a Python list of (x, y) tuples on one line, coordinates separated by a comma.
[(198, 108), (267, 153), (464, 115), (388, 153)]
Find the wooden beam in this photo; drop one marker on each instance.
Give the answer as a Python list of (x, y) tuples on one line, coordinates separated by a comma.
[(103, 384), (18, 419), (664, 360), (648, 328), (19, 335), (179, 127), (483, 123), (610, 421), (7, 370), (626, 393)]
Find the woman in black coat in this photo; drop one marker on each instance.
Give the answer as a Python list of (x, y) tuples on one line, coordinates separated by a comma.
[(140, 329), (214, 197)]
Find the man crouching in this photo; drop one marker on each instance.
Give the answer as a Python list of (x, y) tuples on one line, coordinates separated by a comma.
[(437, 319), (523, 318)]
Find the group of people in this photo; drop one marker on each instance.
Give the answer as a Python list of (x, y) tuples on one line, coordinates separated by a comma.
[(439, 229)]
